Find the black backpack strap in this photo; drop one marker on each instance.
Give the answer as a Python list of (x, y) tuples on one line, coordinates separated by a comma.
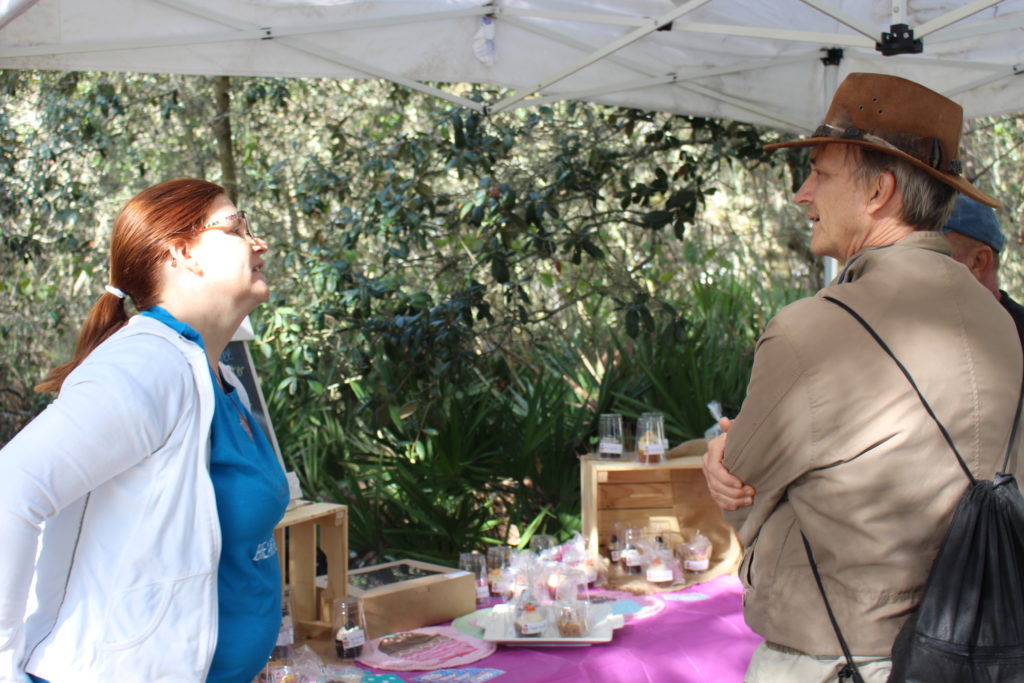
[(906, 373), (849, 671), (931, 413), (1013, 432)]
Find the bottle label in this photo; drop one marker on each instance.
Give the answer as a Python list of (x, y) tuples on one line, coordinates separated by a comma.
[(482, 591), (696, 565), (659, 574), (350, 639), (610, 448), (631, 558), (616, 554), (657, 448), (532, 628)]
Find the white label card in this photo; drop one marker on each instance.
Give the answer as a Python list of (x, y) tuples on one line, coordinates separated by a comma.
[(659, 575), (353, 638), (532, 627)]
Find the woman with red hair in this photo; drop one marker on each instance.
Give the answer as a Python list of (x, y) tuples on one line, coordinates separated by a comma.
[(137, 511)]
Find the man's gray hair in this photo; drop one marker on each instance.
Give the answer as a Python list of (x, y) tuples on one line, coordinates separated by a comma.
[(927, 202)]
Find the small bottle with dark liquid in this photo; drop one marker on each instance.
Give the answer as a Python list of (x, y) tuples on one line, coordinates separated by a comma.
[(349, 626), (348, 643)]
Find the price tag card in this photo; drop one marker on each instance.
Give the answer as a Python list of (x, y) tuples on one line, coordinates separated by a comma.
[(466, 675), (684, 597)]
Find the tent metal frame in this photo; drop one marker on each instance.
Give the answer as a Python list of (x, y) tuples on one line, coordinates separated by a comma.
[(635, 28)]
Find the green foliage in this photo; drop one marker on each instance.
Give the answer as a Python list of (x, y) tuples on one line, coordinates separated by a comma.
[(705, 356), (456, 296), (73, 148)]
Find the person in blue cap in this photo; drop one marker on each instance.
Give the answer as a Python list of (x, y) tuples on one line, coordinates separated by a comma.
[(973, 230)]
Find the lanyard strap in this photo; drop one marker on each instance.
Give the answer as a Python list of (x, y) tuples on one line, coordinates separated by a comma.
[(849, 671)]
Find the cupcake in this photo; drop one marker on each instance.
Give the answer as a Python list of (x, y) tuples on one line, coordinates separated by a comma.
[(530, 620)]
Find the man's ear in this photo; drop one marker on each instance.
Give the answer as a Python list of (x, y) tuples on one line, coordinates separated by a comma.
[(882, 191), (980, 260)]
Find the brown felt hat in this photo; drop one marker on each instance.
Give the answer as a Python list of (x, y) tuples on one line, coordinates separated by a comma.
[(898, 117)]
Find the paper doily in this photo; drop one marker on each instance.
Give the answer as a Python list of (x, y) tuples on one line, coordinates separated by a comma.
[(424, 649)]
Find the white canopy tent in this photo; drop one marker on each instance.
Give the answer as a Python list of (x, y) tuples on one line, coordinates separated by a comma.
[(770, 62)]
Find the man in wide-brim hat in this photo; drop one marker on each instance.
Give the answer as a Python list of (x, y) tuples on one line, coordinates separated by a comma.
[(831, 441)]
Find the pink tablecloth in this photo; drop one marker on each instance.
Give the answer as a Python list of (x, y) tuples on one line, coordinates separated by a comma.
[(693, 640)]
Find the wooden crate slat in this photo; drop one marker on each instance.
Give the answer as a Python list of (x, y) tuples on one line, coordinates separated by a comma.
[(323, 525), (662, 519), (302, 571), (306, 512), (632, 496), (639, 476)]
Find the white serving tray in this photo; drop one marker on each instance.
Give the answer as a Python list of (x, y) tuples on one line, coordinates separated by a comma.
[(499, 628)]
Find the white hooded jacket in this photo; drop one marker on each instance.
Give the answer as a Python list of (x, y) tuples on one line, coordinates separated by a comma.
[(113, 477)]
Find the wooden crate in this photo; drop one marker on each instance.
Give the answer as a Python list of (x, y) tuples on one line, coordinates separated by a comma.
[(311, 526), (432, 594), (670, 498)]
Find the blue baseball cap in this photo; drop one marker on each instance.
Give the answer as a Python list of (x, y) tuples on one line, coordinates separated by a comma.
[(976, 220)]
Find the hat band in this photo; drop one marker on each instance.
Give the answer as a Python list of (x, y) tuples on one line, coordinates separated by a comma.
[(926, 150)]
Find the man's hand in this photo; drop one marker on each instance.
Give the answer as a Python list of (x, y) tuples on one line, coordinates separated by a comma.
[(727, 491)]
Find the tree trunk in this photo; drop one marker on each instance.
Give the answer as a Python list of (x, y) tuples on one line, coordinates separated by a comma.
[(222, 131)]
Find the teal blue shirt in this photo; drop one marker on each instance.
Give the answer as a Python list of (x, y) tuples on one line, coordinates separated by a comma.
[(252, 495)]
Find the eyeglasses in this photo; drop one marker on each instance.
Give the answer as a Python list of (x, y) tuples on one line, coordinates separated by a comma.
[(236, 224)]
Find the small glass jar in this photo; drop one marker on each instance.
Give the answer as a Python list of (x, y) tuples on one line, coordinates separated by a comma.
[(631, 558), (658, 566), (696, 553), (499, 569), (614, 548), (571, 618), (349, 625), (476, 565), (650, 438), (531, 617), (610, 437), (541, 542)]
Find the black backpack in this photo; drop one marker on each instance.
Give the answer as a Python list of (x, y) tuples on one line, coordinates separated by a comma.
[(969, 625)]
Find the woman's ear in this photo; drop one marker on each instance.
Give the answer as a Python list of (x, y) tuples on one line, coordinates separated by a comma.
[(181, 256)]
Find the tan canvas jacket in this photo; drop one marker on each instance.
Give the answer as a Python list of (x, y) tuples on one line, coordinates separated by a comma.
[(837, 444)]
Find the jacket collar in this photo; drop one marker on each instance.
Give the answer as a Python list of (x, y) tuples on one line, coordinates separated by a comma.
[(930, 240)]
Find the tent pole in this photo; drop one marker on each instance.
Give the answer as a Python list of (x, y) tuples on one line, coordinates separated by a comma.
[(608, 49), (679, 78), (328, 55), (831, 83), (842, 17), (13, 10), (953, 17), (791, 35), (981, 28), (899, 12)]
